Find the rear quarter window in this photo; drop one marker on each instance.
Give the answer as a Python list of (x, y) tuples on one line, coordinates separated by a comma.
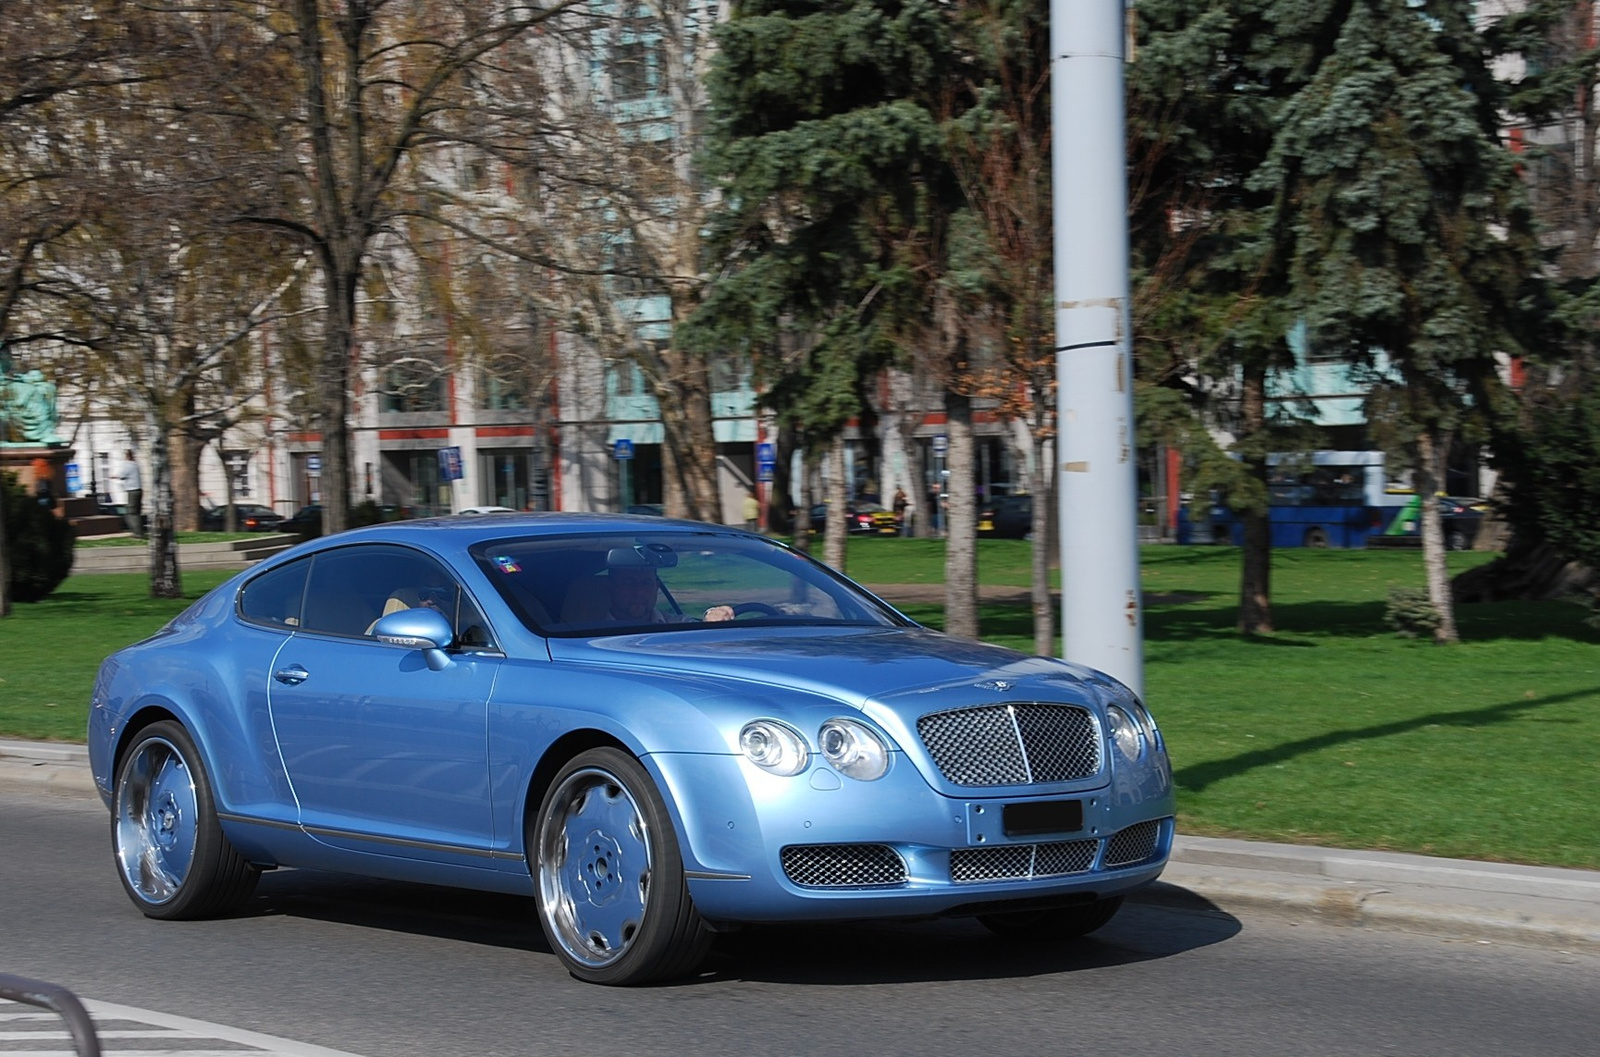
[(275, 597)]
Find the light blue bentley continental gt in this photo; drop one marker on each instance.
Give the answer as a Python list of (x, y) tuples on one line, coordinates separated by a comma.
[(658, 729)]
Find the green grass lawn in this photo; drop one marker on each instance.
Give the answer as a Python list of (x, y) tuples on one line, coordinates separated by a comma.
[(96, 542), (1331, 731)]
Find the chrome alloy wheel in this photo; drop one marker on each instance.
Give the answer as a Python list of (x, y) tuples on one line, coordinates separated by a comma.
[(595, 862), (157, 813)]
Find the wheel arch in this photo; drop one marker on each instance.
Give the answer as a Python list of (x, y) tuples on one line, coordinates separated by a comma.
[(555, 757), (146, 715)]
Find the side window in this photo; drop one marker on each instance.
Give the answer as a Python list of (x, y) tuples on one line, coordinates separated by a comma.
[(274, 597), (351, 588)]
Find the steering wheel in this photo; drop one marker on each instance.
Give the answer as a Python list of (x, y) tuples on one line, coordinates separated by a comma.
[(765, 610)]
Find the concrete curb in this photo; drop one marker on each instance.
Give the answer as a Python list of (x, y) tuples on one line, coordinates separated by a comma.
[(1450, 898), (1461, 899), (231, 554), (48, 767)]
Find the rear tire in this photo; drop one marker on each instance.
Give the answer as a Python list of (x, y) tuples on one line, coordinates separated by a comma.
[(1056, 923), (172, 857), (613, 901)]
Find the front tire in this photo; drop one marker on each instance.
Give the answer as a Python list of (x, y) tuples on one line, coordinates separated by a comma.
[(612, 897), (172, 857), (1056, 923)]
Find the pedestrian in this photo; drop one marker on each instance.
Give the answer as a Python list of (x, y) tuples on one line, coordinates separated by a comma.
[(752, 511), (133, 484), (42, 490), (908, 515), (900, 504)]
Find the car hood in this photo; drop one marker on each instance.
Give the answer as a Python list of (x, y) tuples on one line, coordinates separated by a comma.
[(851, 665)]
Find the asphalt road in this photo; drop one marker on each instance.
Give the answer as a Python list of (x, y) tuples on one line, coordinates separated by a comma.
[(381, 969)]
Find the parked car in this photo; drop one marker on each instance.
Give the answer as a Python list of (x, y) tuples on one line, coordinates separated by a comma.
[(1460, 517), (655, 732), (653, 509), (486, 510), (249, 517), (1007, 516), (306, 522), (865, 519)]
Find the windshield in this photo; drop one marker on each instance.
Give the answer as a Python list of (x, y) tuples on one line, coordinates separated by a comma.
[(628, 582)]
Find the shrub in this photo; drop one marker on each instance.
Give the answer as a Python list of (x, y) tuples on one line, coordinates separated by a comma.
[(1410, 613), (38, 543), (370, 513)]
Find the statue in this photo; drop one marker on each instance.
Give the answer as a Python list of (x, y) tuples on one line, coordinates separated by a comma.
[(28, 410)]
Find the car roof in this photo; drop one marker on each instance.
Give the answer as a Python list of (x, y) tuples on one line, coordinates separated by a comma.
[(463, 530)]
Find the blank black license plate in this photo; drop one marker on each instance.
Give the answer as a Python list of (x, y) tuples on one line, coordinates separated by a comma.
[(1048, 816)]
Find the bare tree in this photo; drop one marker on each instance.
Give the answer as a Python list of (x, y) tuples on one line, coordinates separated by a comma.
[(615, 209), (64, 69), (324, 120), (1000, 153)]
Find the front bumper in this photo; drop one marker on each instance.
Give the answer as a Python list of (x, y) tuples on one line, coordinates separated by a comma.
[(822, 847)]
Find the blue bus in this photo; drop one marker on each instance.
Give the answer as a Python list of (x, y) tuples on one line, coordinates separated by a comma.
[(1319, 499)]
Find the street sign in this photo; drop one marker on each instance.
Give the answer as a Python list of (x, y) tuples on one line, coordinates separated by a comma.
[(941, 444), (314, 463), (622, 449), (450, 464), (74, 479), (765, 453), (764, 471)]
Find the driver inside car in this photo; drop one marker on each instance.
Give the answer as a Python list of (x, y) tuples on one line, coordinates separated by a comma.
[(631, 593)]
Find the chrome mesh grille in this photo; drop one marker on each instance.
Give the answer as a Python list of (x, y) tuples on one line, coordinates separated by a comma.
[(1134, 844), (1012, 862), (1012, 744), (843, 865)]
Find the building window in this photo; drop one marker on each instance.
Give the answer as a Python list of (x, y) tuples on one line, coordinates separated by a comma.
[(413, 385), (728, 372), (411, 480), (634, 62), (513, 477), (625, 378)]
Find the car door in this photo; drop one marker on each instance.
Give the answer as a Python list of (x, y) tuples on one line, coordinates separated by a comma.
[(383, 754)]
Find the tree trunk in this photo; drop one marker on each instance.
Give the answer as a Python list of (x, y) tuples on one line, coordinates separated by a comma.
[(835, 540), (5, 555), (781, 498), (961, 523), (802, 504), (1044, 610), (1530, 570), (1428, 473), (333, 375), (186, 450), (165, 578), (682, 388), (1255, 568)]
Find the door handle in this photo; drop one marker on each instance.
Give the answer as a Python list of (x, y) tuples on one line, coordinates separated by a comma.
[(293, 675)]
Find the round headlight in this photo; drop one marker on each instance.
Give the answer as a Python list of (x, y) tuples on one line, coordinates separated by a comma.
[(1146, 721), (854, 749), (1125, 733), (774, 747)]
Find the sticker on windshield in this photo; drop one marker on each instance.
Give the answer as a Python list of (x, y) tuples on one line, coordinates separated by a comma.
[(507, 563)]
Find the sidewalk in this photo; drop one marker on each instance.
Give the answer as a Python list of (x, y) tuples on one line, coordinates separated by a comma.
[(1454, 898)]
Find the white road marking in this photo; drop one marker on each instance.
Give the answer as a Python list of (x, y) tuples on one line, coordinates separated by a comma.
[(147, 1026)]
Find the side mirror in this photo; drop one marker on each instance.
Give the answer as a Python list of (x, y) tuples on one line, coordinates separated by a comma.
[(422, 629)]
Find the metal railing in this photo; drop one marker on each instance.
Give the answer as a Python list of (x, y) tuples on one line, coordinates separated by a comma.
[(61, 1001)]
